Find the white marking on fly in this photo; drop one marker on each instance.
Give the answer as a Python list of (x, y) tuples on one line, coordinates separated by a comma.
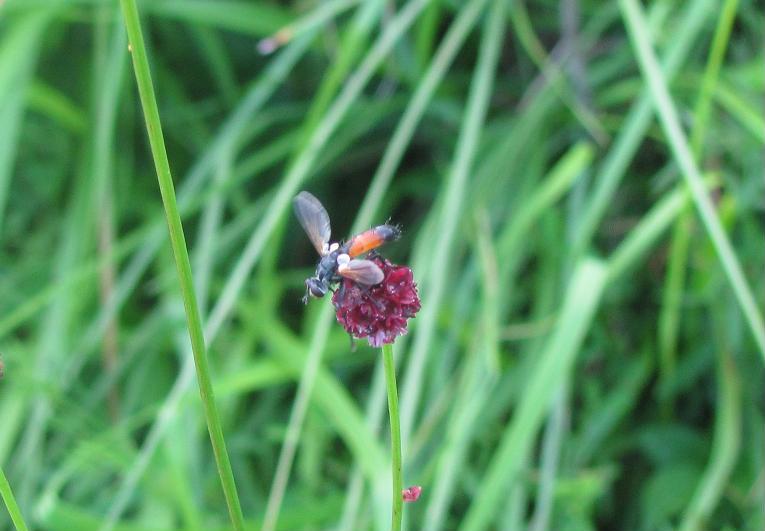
[(334, 247), (324, 249), (343, 259)]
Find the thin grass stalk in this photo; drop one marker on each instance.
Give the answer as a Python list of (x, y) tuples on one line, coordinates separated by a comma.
[(181, 255), (554, 363), (10, 503), (354, 40), (637, 121), (460, 432), (426, 33), (19, 51), (302, 166), (727, 438), (725, 445), (191, 199), (552, 70), (669, 319), (467, 144), (109, 58), (391, 159), (647, 231), (741, 109), (672, 298), (395, 436), (703, 107), (667, 113), (315, 19), (555, 432)]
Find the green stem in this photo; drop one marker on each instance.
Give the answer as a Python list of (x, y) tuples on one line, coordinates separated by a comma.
[(194, 322), (395, 435), (725, 446), (10, 502)]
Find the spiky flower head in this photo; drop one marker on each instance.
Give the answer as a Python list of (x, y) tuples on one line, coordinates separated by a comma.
[(378, 313)]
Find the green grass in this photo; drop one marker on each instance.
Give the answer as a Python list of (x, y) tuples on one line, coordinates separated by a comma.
[(137, 50), (580, 187), (397, 485), (10, 503)]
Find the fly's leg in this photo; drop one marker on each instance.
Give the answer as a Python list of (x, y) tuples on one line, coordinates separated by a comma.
[(340, 294), (305, 297), (367, 291)]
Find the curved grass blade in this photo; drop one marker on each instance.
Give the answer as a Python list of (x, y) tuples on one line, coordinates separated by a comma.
[(725, 446)]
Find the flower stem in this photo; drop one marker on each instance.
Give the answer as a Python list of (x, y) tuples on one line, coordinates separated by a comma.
[(395, 434), (180, 252), (10, 503)]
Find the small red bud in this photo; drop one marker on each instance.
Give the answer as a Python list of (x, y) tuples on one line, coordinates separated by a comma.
[(411, 494)]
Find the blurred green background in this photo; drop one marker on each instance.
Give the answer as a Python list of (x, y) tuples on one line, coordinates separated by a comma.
[(582, 359)]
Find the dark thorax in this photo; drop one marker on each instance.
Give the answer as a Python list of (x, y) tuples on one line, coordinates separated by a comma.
[(326, 271)]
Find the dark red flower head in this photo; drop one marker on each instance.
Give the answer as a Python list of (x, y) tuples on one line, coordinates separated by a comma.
[(378, 313)]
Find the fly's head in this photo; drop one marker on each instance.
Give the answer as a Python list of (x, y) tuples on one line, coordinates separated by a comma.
[(314, 287)]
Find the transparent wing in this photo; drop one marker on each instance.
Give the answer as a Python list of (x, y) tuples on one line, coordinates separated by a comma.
[(364, 272), (314, 219)]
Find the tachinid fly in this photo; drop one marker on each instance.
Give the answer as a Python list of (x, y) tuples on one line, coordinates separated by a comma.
[(339, 260)]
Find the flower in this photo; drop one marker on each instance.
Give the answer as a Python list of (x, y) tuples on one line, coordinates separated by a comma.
[(378, 313)]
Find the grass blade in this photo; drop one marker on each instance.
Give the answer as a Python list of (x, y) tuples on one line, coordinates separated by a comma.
[(395, 436), (635, 126), (555, 361), (194, 321), (725, 447), (391, 160), (669, 318), (18, 55), (10, 502), (467, 143), (670, 122), (288, 188)]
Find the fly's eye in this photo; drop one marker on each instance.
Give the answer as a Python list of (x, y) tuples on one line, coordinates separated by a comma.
[(317, 292), (315, 288)]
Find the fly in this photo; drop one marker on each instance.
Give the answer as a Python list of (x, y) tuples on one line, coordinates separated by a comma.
[(339, 260)]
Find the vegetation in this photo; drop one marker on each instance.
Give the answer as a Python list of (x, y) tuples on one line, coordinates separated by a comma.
[(581, 189)]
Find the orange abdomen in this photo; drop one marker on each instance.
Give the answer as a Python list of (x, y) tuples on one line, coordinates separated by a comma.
[(372, 239)]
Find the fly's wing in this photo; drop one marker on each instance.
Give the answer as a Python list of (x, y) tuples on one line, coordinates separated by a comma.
[(364, 272), (314, 219)]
